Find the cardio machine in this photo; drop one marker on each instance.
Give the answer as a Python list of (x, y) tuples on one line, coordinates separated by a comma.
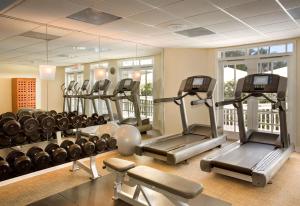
[(195, 138), (258, 155), (127, 89), (99, 91), (68, 92)]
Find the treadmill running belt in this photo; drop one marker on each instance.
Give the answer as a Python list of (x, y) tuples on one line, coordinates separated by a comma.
[(244, 158), (164, 146)]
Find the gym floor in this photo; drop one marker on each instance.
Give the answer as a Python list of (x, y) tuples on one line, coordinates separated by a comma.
[(285, 189)]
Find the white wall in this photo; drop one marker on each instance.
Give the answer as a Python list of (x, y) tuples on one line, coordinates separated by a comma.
[(178, 65)]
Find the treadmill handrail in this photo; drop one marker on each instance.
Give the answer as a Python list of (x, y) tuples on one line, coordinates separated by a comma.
[(226, 102), (199, 101), (170, 99)]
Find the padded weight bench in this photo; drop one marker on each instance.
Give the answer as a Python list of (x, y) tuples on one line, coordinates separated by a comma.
[(177, 189)]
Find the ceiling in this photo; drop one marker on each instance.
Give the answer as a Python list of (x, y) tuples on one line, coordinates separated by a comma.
[(147, 22)]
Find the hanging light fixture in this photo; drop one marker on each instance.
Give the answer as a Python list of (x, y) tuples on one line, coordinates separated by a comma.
[(99, 72), (47, 72)]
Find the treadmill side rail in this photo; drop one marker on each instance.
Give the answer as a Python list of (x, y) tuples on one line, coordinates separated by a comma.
[(264, 172), (179, 155)]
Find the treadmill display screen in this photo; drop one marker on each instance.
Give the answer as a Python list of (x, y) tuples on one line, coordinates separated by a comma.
[(197, 81), (101, 83), (127, 83), (261, 80)]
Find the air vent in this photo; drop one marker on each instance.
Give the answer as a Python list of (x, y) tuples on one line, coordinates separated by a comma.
[(295, 12), (38, 35), (93, 16), (5, 5), (199, 31)]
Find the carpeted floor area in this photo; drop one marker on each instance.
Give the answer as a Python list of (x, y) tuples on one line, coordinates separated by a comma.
[(285, 189)]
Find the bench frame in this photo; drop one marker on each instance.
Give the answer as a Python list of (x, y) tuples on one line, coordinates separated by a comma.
[(123, 178)]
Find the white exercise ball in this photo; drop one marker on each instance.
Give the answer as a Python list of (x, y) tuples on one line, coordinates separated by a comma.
[(128, 137), (109, 128)]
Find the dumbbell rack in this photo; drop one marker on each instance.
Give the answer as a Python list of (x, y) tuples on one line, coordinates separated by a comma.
[(75, 166)]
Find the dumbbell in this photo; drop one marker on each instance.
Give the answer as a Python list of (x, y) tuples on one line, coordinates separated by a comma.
[(75, 121), (19, 139), (58, 154), (100, 144), (19, 162), (10, 125), (52, 113), (87, 147), (4, 169), (39, 158), (30, 127), (74, 150), (83, 120), (47, 123), (62, 123), (22, 113), (5, 141), (9, 114), (101, 120), (111, 142)]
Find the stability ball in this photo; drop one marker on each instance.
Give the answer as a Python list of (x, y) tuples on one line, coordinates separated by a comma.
[(109, 128), (128, 137)]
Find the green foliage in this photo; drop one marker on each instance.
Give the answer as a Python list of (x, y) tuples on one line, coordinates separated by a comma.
[(229, 89), (146, 90)]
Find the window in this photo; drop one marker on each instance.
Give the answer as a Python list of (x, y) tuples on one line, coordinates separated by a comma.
[(273, 59), (145, 67)]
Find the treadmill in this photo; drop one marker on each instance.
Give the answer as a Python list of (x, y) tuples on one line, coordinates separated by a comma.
[(80, 93), (99, 91), (68, 92), (258, 155), (129, 90), (195, 138)]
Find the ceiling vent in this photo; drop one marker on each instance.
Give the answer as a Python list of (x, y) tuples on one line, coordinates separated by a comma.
[(93, 16), (295, 12), (5, 5), (199, 31), (38, 35)]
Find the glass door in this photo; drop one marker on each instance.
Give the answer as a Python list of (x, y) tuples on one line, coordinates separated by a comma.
[(268, 119)]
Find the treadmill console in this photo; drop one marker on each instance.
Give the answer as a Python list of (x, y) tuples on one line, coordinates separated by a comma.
[(125, 85), (101, 85), (85, 85), (261, 83), (71, 85), (197, 84)]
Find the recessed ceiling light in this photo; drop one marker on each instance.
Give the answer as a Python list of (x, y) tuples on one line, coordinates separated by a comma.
[(199, 31), (93, 16)]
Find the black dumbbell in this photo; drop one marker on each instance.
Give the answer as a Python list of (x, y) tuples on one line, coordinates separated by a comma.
[(100, 144), (62, 123), (101, 120), (22, 113), (87, 147), (9, 114), (29, 124), (5, 141), (4, 169), (19, 162), (75, 121), (58, 155), (74, 150), (52, 113), (19, 139), (110, 141), (39, 158), (33, 137), (47, 123)]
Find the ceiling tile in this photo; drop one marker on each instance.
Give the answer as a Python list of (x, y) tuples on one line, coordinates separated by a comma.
[(123, 8), (17, 42), (176, 25), (8, 55), (40, 47), (254, 8), (229, 3), (52, 31), (159, 3), (241, 33), (289, 4), (125, 25), (269, 18), (210, 18), (189, 8), (39, 10), (277, 27), (72, 24), (226, 27), (10, 27), (152, 17)]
